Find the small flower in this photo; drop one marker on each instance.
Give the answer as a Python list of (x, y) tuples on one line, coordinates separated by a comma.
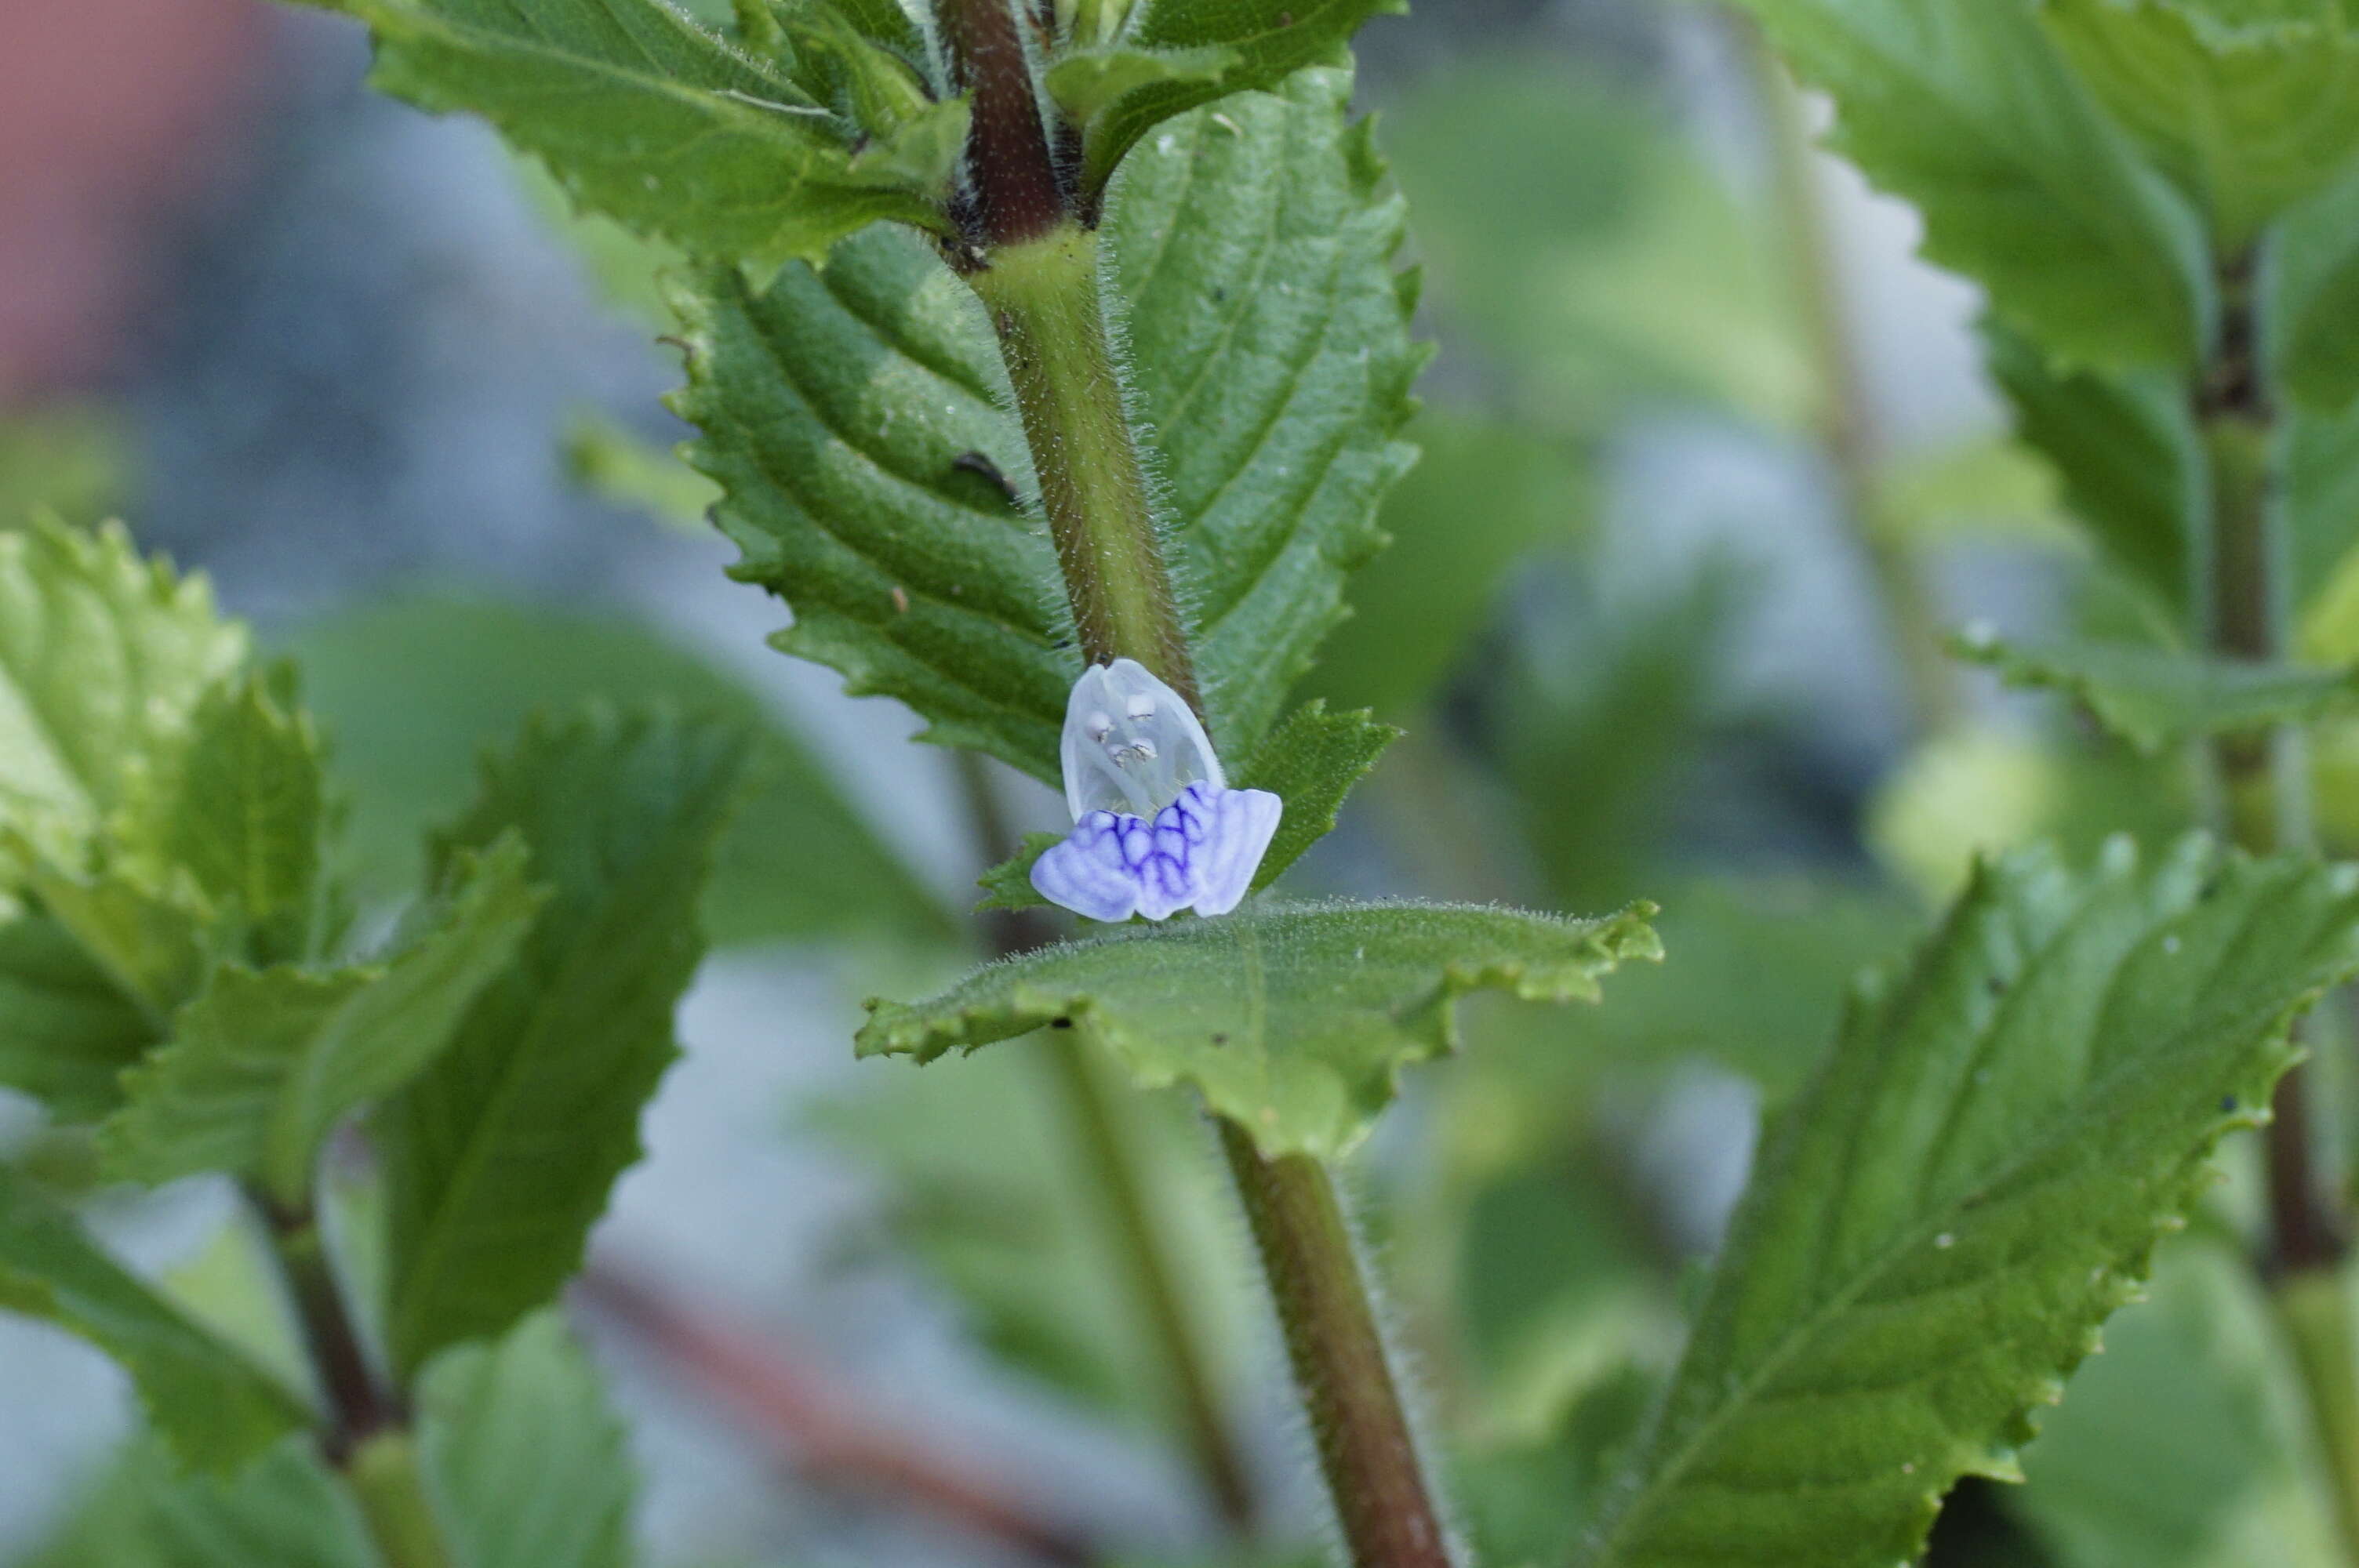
[(1157, 828)]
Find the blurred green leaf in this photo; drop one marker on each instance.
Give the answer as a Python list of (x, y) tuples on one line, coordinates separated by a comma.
[(1273, 407), (1293, 1023), (2322, 512), (2127, 451), (152, 942), (499, 1156), (2184, 1446), (1004, 1224), (2313, 297), (284, 1511), (411, 691), (66, 1031), (618, 467), (215, 1407), (1481, 495), (247, 815), (525, 1460), (1971, 1185), (647, 117), (2155, 697), (2250, 108), (264, 1064), (1595, 256), (1965, 108), (102, 659), (1995, 487)]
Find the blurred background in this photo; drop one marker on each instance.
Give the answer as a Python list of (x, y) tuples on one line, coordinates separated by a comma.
[(1711, 465)]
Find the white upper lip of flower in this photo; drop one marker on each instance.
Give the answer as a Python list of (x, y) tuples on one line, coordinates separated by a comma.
[(1131, 743)]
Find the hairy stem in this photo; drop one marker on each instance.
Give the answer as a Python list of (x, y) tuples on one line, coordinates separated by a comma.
[(1365, 1447), (1044, 304), (1136, 1231), (1847, 429), (2264, 794), (1048, 307)]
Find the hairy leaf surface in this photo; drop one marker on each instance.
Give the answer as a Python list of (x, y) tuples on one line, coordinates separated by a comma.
[(1293, 1023), (264, 1063), (499, 1157), (525, 1457), (1975, 1181), (855, 420), (1966, 108), (216, 1408)]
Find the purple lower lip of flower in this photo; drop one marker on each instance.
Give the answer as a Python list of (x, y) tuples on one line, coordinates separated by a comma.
[(1200, 852)]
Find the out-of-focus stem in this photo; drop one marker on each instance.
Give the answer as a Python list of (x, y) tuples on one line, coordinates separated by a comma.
[(1136, 1231), (392, 1495), (1846, 427)]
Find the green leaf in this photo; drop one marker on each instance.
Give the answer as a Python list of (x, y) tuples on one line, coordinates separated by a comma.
[(1176, 55), (2128, 450), (1937, 1227), (2322, 512), (284, 1510), (2250, 109), (855, 419), (645, 116), (1965, 108), (2313, 297), (414, 689), (2154, 698), (1271, 359), (102, 659), (247, 813), (1293, 1023), (217, 1409), (66, 1031), (1311, 762), (153, 943), (1481, 496), (526, 1462), (264, 1064), (2182, 1446), (621, 468), (499, 1156)]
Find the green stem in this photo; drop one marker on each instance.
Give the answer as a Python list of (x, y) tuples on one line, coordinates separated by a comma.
[(1365, 1447), (1047, 305), (392, 1494), (1133, 1226), (1043, 295), (1846, 427), (2263, 792), (366, 1431)]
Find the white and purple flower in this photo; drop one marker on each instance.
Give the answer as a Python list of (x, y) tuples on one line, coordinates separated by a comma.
[(1156, 827)]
